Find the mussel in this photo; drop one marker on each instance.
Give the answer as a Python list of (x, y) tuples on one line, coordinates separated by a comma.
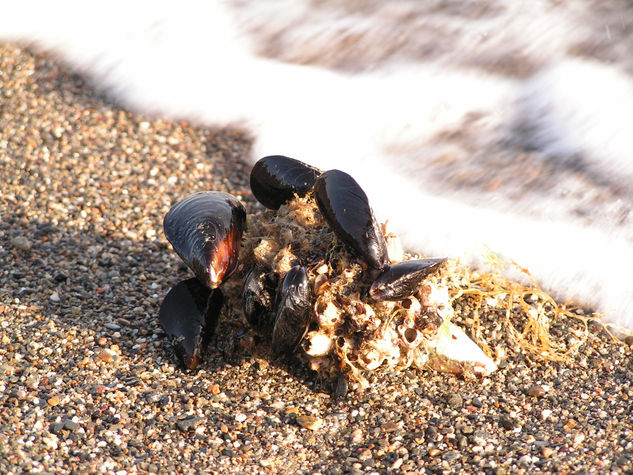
[(346, 209), (205, 230), (189, 315), (293, 311), (403, 279), (276, 179), (258, 299)]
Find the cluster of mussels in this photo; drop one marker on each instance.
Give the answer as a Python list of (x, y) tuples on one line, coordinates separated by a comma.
[(325, 281)]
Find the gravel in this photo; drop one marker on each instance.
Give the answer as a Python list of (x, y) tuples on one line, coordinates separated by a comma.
[(88, 382)]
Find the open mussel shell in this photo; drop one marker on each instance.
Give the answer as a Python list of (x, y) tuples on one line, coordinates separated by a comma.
[(403, 279), (293, 311), (258, 299), (205, 230), (189, 315), (346, 209), (276, 179)]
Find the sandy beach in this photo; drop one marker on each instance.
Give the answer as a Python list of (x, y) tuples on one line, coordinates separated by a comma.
[(88, 383)]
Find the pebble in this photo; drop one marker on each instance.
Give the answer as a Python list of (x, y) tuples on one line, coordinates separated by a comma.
[(189, 423), (53, 401), (105, 355), (54, 297), (455, 401), (390, 427), (536, 390), (21, 242), (57, 427), (507, 422), (309, 422), (71, 425)]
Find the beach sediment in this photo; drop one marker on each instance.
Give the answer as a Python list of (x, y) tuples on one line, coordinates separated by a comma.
[(88, 383)]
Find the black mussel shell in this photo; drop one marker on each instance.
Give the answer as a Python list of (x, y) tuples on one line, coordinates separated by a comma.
[(403, 279), (189, 315), (258, 298), (346, 209), (276, 179), (293, 311), (205, 230)]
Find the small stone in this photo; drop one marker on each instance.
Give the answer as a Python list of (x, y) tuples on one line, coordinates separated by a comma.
[(53, 401), (536, 390), (390, 427), (70, 425), (455, 401), (21, 242), (357, 436), (105, 355), (57, 427), (547, 452), (189, 423), (54, 297), (112, 326), (452, 455), (525, 460), (60, 277), (309, 422), (507, 423)]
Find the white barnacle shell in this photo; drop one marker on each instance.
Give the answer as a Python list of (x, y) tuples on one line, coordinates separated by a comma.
[(371, 358), (328, 315), (437, 297), (317, 343), (265, 251), (411, 305), (374, 352), (283, 261), (364, 316), (410, 337)]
